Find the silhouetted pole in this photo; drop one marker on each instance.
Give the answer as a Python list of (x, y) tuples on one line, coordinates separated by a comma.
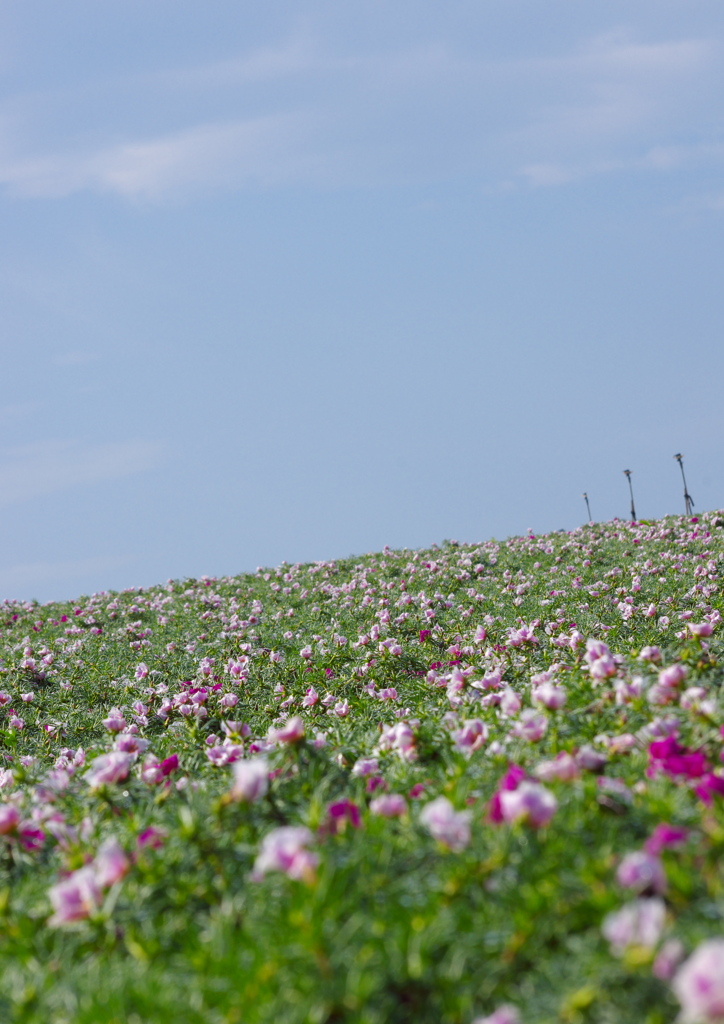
[(588, 507), (627, 473), (688, 500)]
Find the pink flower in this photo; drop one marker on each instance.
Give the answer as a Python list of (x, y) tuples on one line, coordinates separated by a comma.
[(699, 984), (341, 708), (563, 768), (310, 698), (224, 754), (110, 863), (141, 671), (9, 819), (284, 849), (505, 1014), (229, 700), (530, 726), (365, 766), (590, 760), (291, 732), (530, 803), (389, 805), (115, 721), (306, 652), (251, 780), (701, 628), (107, 768), (650, 654), (388, 694), (643, 872), (550, 696), (639, 923), (444, 823), (471, 736), (673, 675), (76, 897), (667, 960), (510, 702)]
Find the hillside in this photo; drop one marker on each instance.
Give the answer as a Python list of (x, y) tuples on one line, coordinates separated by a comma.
[(476, 782)]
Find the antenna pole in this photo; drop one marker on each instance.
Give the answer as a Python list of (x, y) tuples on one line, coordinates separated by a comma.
[(627, 473), (688, 500), (590, 518)]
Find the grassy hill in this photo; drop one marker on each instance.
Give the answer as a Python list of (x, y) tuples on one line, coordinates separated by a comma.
[(477, 782)]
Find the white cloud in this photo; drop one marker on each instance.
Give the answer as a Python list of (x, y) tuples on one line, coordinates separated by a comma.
[(35, 470)]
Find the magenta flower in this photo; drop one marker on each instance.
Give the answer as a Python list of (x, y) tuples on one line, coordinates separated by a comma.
[(444, 823), (699, 984), (665, 836), (152, 837), (709, 786), (251, 780), (341, 812), (669, 757)]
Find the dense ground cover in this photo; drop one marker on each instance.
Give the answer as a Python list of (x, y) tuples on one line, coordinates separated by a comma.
[(427, 786)]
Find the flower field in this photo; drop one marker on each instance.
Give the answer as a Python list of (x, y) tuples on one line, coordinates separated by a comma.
[(477, 783)]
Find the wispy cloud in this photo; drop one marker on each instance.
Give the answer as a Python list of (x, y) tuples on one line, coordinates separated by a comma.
[(258, 151), (34, 470), (306, 112)]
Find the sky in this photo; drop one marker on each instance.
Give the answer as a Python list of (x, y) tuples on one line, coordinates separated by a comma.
[(296, 280)]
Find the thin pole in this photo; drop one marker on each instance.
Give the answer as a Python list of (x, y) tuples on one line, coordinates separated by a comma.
[(590, 518), (627, 473), (688, 500)]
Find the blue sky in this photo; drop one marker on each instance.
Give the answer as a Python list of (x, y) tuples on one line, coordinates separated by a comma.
[(298, 280)]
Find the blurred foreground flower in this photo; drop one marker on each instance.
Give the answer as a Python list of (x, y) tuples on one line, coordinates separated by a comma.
[(699, 984), (444, 823), (251, 780), (284, 849), (639, 923)]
